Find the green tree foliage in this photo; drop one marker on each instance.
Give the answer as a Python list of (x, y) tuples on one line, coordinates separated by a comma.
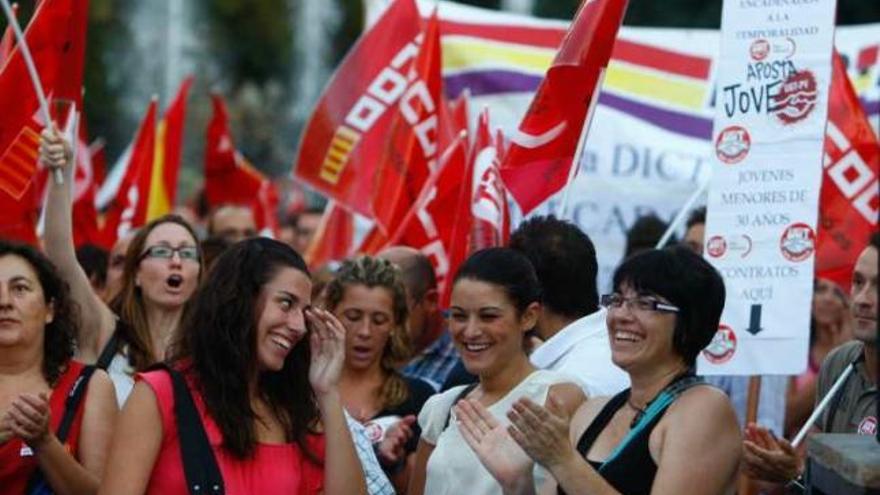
[(252, 41)]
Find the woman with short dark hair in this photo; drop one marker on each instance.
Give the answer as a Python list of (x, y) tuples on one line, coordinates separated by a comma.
[(263, 368), (38, 324), (667, 434)]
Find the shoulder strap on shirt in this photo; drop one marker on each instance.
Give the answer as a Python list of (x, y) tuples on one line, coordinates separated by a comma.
[(71, 404), (461, 395), (655, 409), (199, 463), (110, 349), (37, 484)]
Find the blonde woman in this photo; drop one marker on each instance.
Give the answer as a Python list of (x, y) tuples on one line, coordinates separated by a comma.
[(368, 296)]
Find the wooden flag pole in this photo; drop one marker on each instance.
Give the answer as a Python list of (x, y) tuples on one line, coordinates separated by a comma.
[(682, 214), (746, 486), (57, 175)]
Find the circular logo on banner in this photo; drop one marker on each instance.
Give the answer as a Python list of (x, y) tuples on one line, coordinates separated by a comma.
[(733, 144), (798, 242), (716, 246), (796, 97), (759, 50), (722, 347), (868, 426)]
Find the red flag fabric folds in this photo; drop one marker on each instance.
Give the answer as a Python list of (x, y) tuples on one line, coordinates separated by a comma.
[(850, 197), (411, 153), (538, 161), (348, 130)]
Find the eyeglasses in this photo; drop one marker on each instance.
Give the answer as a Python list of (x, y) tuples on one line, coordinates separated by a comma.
[(638, 303), (190, 253)]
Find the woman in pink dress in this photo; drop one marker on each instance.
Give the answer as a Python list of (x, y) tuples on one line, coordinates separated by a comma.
[(269, 403)]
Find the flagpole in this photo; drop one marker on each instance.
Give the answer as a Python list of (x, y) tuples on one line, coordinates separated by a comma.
[(57, 175), (576, 160), (681, 215)]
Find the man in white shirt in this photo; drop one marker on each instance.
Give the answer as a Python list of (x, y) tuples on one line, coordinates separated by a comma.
[(572, 325)]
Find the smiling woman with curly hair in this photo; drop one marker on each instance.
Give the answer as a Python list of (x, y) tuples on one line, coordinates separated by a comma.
[(37, 373)]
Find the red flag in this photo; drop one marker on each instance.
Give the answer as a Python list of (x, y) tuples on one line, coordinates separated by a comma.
[(438, 222), (99, 160), (333, 239), (85, 215), (349, 128), (51, 37), (411, 154), (7, 42), (166, 162), (540, 155), (230, 178), (491, 226), (129, 209), (850, 197)]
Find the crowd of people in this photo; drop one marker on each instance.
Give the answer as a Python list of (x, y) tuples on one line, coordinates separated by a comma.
[(190, 360)]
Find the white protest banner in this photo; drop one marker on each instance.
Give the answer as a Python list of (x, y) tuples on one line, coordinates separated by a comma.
[(774, 72)]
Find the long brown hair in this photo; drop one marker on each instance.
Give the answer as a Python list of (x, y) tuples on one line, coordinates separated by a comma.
[(375, 272), (128, 304), (217, 343)]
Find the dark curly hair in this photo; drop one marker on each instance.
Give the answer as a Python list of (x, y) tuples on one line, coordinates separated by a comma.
[(60, 335), (217, 346)]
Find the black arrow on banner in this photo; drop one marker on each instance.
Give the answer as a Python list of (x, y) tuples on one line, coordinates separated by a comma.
[(755, 320)]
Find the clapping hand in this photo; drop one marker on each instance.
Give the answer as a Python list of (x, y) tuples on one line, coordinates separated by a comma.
[(28, 418), (488, 438), (327, 342), (55, 151), (768, 458), (543, 433)]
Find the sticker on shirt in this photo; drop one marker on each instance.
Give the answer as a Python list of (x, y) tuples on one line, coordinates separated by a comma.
[(868, 426), (25, 451), (377, 428)]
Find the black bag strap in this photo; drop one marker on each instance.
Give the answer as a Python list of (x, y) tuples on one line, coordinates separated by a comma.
[(71, 407), (110, 349), (199, 463), (461, 395), (74, 399)]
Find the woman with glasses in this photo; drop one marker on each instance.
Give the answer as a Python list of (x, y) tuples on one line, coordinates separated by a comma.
[(262, 367), (160, 273), (667, 434), (495, 301)]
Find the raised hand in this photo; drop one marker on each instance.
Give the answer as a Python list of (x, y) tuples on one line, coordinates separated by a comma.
[(768, 458), (55, 151), (392, 448), (327, 342), (29, 418), (498, 453), (543, 433)]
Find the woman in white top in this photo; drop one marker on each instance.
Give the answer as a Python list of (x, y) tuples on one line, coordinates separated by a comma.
[(495, 301), (160, 274)]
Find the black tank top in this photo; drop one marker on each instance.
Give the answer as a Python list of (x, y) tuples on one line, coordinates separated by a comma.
[(633, 470)]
